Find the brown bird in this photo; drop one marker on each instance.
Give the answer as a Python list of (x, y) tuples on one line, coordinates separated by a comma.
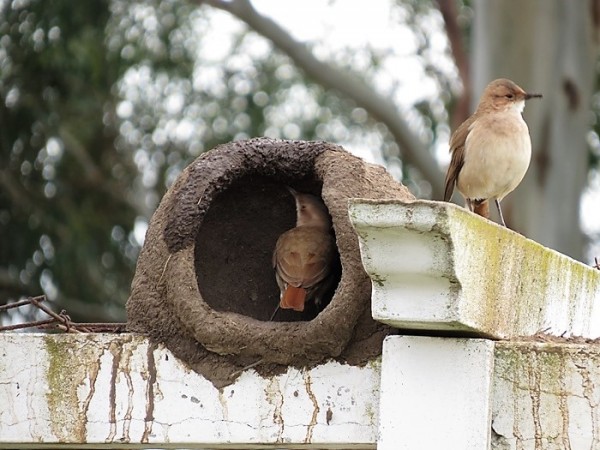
[(304, 255), (491, 150)]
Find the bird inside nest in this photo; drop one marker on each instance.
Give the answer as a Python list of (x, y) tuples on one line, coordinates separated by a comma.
[(304, 256)]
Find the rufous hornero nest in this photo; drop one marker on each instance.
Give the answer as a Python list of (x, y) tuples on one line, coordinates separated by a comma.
[(205, 286)]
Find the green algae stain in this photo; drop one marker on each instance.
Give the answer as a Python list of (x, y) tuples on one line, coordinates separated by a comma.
[(517, 279), (63, 404)]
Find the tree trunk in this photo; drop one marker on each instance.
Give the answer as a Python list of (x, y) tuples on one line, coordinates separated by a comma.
[(546, 46)]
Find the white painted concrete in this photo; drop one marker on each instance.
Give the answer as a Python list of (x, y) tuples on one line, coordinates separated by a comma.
[(436, 266), (435, 393), (117, 390)]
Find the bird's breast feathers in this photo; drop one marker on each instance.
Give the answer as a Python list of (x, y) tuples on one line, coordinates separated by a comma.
[(497, 155)]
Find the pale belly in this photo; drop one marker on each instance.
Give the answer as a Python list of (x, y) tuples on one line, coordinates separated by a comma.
[(495, 163)]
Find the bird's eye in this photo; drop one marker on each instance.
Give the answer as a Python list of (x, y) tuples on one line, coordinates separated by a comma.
[(510, 96)]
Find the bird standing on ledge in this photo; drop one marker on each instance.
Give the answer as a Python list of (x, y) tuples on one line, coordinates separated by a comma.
[(491, 150), (304, 255)]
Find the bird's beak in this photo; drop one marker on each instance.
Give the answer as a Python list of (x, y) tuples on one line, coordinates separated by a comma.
[(528, 95), (292, 191)]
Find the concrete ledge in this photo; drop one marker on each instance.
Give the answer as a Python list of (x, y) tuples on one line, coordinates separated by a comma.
[(459, 394), (436, 266), (119, 391)]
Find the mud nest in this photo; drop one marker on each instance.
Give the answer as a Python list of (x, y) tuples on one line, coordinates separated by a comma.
[(204, 283)]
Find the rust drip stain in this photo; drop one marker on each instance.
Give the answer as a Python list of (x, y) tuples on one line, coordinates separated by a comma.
[(224, 407), (149, 419), (126, 371), (588, 388), (534, 377), (316, 409), (115, 350), (275, 397), (563, 406), (515, 377), (92, 375)]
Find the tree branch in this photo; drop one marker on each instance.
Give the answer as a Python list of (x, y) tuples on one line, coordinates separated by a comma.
[(93, 174), (381, 108), (449, 14)]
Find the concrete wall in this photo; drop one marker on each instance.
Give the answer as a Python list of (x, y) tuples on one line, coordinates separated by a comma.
[(508, 379)]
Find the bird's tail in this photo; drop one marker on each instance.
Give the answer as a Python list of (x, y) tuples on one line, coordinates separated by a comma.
[(482, 208), (293, 298)]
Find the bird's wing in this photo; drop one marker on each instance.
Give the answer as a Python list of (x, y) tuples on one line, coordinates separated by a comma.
[(457, 148), (289, 268), (303, 256), (316, 268)]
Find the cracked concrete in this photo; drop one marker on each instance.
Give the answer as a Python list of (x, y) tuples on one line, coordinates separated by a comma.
[(121, 390), (546, 396)]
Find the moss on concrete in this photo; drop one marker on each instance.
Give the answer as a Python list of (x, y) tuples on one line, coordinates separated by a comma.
[(62, 390), (517, 281)]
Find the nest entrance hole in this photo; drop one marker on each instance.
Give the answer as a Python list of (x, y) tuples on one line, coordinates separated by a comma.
[(234, 248)]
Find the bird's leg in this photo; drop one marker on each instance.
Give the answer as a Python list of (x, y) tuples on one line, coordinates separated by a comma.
[(500, 212), (469, 204)]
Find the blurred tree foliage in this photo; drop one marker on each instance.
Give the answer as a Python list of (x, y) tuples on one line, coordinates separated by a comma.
[(67, 206), (64, 218), (104, 103)]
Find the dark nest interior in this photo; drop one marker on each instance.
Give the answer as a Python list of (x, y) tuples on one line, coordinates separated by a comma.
[(238, 236)]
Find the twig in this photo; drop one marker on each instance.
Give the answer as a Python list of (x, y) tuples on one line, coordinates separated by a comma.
[(88, 327), (60, 321), (249, 366), (39, 298), (38, 323), (274, 312), (164, 269), (62, 317), (597, 263)]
